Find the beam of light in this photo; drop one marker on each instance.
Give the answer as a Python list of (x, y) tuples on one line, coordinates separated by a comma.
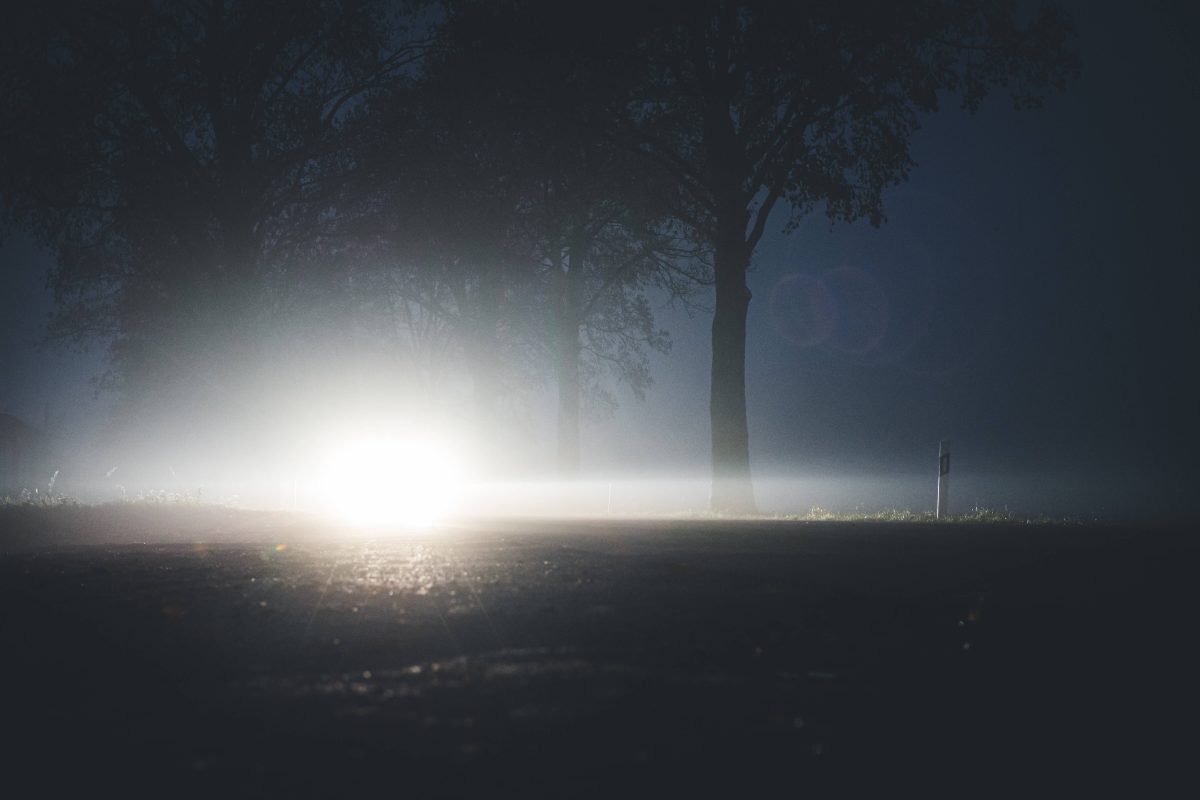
[(390, 481)]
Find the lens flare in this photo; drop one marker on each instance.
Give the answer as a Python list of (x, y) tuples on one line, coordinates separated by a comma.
[(802, 310)]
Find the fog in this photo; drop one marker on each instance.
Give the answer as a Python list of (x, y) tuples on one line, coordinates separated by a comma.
[(1020, 300)]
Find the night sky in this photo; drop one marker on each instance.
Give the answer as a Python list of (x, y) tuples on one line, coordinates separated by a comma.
[(1031, 297)]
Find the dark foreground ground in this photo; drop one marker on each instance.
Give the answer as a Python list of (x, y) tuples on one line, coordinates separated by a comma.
[(606, 659)]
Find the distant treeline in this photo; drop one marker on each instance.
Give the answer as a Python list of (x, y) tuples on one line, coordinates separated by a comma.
[(480, 195)]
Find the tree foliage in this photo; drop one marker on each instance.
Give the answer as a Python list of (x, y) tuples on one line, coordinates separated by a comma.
[(510, 192), (527, 235), (744, 106), (177, 159)]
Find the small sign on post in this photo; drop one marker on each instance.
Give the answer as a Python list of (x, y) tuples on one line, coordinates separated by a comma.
[(943, 485)]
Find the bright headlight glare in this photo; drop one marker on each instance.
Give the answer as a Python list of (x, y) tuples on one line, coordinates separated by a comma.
[(391, 481)]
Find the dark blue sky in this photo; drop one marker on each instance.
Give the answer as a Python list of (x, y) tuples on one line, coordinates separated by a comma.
[(1031, 297)]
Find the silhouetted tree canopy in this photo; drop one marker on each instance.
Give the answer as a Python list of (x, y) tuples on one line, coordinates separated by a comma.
[(744, 106), (528, 238), (177, 158), (204, 170)]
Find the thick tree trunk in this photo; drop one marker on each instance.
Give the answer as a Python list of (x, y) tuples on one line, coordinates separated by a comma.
[(732, 490)]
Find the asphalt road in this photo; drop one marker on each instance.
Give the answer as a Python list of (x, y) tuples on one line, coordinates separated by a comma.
[(596, 658)]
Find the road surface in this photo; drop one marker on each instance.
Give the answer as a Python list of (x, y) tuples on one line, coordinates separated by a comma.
[(595, 658)]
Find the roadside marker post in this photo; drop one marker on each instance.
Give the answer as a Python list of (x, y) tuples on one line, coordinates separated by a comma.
[(943, 484)]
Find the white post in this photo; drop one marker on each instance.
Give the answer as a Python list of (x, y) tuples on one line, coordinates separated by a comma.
[(943, 484)]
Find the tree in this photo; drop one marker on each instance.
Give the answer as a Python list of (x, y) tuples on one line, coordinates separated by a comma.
[(599, 260), (525, 233), (747, 105), (750, 104), (601, 242), (431, 205), (177, 159)]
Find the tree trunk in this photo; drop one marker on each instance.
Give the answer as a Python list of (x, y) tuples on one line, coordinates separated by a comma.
[(484, 394), (732, 491), (568, 308), (568, 405), (483, 357)]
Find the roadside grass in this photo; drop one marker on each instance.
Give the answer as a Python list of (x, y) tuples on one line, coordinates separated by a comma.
[(49, 499), (36, 499), (33, 499), (977, 515)]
